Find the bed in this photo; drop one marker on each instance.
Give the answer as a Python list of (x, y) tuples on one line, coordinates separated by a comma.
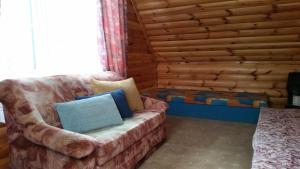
[(229, 106), (276, 142)]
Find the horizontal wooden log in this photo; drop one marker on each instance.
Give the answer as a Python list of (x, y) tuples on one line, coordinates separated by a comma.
[(195, 29), (194, 88), (187, 76), (278, 100), (195, 53), (224, 83), (226, 27), (178, 24), (167, 11), (229, 47), (175, 82), (259, 39), (217, 18), (228, 34), (236, 77), (168, 18), (204, 60), (238, 52), (284, 51), (278, 5), (274, 62), (280, 85), (164, 4), (234, 19), (256, 59), (282, 58), (269, 92), (285, 15), (228, 68), (281, 79), (255, 25)]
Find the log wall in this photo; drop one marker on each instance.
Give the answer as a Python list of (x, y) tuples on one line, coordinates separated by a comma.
[(141, 63), (4, 159), (224, 45)]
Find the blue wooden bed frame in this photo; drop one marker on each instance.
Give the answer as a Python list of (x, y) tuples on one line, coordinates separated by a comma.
[(226, 113)]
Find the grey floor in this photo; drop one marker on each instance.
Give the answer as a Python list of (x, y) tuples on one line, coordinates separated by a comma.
[(203, 144)]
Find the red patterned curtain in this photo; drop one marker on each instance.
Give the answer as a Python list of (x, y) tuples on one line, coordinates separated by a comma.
[(112, 35)]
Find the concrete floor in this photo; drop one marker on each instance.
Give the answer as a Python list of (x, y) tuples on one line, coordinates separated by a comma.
[(203, 144)]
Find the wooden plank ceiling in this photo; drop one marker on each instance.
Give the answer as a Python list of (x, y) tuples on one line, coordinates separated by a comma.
[(224, 45)]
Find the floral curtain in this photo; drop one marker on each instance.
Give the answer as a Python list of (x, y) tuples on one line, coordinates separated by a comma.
[(112, 35)]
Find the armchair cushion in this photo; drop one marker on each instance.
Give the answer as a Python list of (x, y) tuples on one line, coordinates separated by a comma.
[(88, 114)]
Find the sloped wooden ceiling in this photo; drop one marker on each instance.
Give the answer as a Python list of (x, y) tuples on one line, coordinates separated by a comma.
[(141, 63), (224, 45)]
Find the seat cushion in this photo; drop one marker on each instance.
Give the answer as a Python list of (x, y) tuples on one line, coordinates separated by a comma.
[(114, 140), (216, 98)]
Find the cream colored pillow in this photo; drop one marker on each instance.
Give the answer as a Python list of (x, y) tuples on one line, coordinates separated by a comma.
[(132, 94)]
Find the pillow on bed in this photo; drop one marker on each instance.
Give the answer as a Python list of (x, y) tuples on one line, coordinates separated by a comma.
[(88, 114)]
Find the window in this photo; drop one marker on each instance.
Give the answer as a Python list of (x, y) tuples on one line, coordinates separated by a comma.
[(44, 37), (41, 37)]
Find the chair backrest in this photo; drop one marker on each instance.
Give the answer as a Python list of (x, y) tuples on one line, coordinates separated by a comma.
[(33, 98)]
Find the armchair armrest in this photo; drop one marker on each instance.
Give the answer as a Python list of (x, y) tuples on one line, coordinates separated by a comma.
[(154, 104), (66, 142)]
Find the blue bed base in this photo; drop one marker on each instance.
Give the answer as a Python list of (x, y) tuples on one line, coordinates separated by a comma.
[(215, 112)]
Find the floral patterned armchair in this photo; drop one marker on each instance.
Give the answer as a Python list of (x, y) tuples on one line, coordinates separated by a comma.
[(37, 140)]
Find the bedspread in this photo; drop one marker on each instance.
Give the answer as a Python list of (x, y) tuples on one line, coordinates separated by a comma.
[(276, 142)]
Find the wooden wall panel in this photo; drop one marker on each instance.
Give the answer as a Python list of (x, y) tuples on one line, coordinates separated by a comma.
[(141, 64), (224, 45), (4, 159)]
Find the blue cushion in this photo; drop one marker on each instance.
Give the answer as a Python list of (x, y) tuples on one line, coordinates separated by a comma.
[(120, 100), (219, 102), (200, 98), (88, 114)]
